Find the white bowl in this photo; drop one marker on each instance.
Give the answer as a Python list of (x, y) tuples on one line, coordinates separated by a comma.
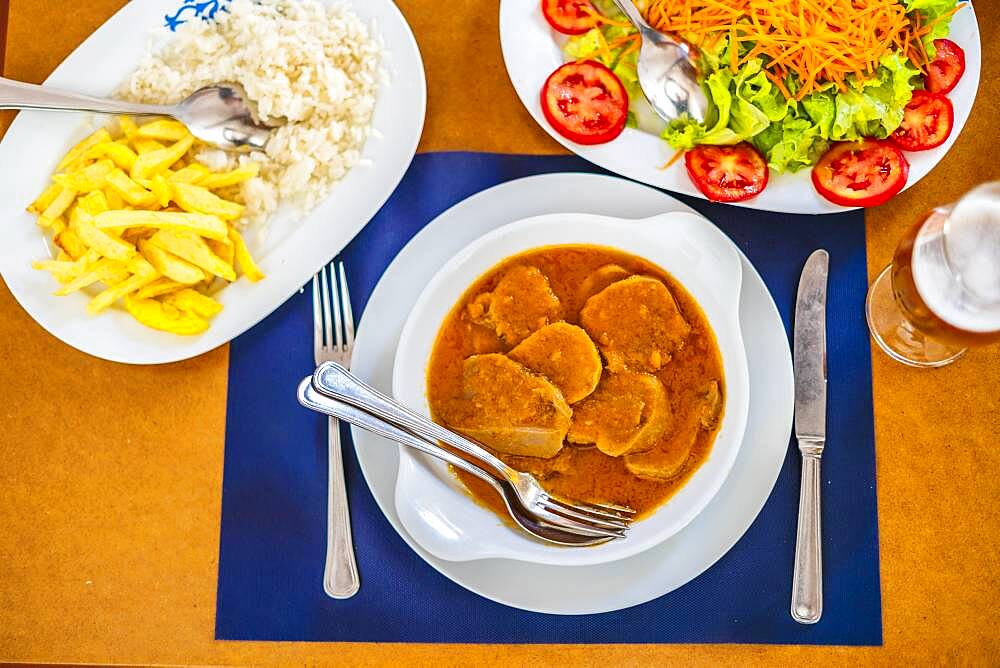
[(433, 505)]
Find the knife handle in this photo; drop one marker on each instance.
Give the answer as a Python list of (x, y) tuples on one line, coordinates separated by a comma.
[(807, 580)]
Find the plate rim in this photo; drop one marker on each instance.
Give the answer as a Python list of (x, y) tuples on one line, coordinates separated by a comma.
[(165, 348), (819, 205), (444, 567)]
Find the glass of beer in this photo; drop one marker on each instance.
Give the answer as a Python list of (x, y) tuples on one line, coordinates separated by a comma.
[(941, 294)]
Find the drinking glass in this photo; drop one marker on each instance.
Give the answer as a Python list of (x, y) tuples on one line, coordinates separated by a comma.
[(941, 294)]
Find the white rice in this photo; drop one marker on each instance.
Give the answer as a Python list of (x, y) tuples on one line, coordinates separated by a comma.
[(314, 68)]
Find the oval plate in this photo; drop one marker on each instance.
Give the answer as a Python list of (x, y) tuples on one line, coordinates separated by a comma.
[(288, 251), (531, 52)]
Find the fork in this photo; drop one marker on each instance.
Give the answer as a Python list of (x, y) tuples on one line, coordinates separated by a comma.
[(333, 342), (600, 522), (528, 518)]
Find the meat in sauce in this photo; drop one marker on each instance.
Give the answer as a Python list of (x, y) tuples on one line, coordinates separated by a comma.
[(516, 367)]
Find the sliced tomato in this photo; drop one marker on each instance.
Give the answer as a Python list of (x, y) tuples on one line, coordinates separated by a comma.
[(864, 173), (727, 173), (927, 122), (946, 68), (572, 17), (585, 102)]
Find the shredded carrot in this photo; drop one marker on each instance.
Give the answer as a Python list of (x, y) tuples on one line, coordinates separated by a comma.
[(634, 46), (818, 41), (604, 49), (600, 19), (669, 163)]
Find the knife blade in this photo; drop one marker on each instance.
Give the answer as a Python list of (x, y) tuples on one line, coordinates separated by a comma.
[(809, 347)]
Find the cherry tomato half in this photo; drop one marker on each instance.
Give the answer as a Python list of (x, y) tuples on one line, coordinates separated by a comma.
[(927, 122), (727, 173), (864, 173), (571, 17), (585, 102), (946, 68)]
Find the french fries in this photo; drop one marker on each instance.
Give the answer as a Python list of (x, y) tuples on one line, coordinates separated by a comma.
[(134, 220)]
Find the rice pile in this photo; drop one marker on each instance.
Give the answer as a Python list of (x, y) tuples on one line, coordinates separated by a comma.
[(314, 68)]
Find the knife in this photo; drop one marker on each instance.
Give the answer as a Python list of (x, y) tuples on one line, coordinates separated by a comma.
[(809, 345)]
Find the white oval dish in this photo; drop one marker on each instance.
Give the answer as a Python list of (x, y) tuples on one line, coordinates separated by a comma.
[(432, 503), (531, 53), (291, 251)]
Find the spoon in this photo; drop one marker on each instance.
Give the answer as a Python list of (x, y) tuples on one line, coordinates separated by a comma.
[(216, 114), (573, 535), (667, 74)]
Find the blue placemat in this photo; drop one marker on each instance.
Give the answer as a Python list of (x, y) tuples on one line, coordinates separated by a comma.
[(274, 490)]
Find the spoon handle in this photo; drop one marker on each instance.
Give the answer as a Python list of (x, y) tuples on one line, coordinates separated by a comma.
[(312, 399), (634, 15), (20, 95), (336, 381)]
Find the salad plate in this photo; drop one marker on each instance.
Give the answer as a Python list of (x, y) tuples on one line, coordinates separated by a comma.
[(532, 50), (289, 248), (583, 589)]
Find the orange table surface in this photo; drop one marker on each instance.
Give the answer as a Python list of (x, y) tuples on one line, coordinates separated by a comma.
[(111, 475)]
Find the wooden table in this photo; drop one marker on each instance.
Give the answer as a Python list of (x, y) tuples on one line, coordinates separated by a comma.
[(109, 520)]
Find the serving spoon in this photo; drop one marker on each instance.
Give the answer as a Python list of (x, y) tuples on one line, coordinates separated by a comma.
[(667, 73), (551, 528), (528, 503), (217, 115)]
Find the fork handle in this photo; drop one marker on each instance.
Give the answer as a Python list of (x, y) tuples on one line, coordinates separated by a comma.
[(334, 380), (340, 574)]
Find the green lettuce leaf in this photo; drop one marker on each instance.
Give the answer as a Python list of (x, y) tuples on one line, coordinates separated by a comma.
[(683, 133), (579, 46), (757, 102), (791, 144), (821, 108), (714, 56), (792, 135), (625, 69), (875, 108), (930, 10), (624, 66)]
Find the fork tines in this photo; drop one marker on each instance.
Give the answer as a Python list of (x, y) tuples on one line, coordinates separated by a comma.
[(333, 319)]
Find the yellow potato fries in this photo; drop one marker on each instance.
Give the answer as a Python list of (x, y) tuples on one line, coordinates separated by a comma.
[(159, 160), (106, 244), (210, 227), (134, 219), (165, 130), (199, 199), (170, 265), (166, 317), (125, 188), (189, 246), (244, 260)]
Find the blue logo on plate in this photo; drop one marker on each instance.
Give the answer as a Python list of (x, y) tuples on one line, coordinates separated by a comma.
[(194, 9)]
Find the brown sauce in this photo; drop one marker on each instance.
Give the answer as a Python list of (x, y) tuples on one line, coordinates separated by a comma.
[(583, 472)]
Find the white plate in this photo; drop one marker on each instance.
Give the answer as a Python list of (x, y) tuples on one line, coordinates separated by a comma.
[(289, 253), (696, 253), (531, 53), (606, 587)]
